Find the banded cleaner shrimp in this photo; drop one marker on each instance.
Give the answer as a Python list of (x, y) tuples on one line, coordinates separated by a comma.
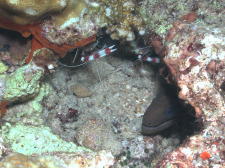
[(105, 46)]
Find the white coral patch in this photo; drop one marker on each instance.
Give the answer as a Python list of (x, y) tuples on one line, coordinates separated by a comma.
[(102, 160), (129, 4), (196, 69), (69, 22), (108, 12), (130, 36), (201, 85), (106, 159), (212, 49), (31, 11), (62, 3), (187, 151), (94, 4), (13, 1), (142, 32), (184, 89), (51, 67), (2, 87)]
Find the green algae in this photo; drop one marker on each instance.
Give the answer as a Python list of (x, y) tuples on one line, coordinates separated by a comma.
[(29, 112), (36, 102), (3, 67), (36, 140), (168, 165), (24, 82), (162, 29)]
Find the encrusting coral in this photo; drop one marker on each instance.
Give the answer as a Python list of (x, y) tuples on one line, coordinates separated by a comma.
[(195, 57), (62, 25), (38, 41), (194, 53), (23, 84), (67, 160), (27, 11), (78, 21)]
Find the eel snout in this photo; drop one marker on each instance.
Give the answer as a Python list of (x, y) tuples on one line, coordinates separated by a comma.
[(160, 115)]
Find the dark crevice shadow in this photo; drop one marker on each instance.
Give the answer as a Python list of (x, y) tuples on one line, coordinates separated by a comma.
[(186, 124), (13, 36)]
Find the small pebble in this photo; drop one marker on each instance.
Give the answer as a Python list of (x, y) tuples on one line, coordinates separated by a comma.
[(128, 87), (81, 91)]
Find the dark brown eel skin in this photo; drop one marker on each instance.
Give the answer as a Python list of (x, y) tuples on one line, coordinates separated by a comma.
[(160, 115)]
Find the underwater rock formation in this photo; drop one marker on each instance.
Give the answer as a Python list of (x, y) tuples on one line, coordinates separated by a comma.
[(47, 149), (3, 149), (58, 160), (21, 85), (192, 41), (195, 56), (116, 16), (28, 11), (70, 24), (159, 15)]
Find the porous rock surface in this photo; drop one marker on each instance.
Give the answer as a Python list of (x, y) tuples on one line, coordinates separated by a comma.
[(196, 59), (28, 11), (22, 84), (60, 160), (111, 117)]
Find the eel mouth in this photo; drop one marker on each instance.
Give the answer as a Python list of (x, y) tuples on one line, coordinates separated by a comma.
[(150, 130)]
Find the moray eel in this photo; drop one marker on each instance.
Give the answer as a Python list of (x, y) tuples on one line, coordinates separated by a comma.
[(160, 115)]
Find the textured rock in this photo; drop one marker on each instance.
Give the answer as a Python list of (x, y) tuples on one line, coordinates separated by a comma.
[(3, 67), (22, 84), (29, 112), (27, 11), (97, 135), (196, 60), (2, 148), (102, 159), (160, 15), (81, 91), (77, 24), (35, 140)]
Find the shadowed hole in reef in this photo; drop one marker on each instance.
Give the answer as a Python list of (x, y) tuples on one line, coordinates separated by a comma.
[(186, 124), (12, 35), (223, 86), (15, 44)]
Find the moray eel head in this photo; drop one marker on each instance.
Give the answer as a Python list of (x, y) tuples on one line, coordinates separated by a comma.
[(160, 115)]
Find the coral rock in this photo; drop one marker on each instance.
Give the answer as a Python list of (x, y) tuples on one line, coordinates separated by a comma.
[(22, 84), (102, 159), (196, 59), (95, 134), (27, 11)]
